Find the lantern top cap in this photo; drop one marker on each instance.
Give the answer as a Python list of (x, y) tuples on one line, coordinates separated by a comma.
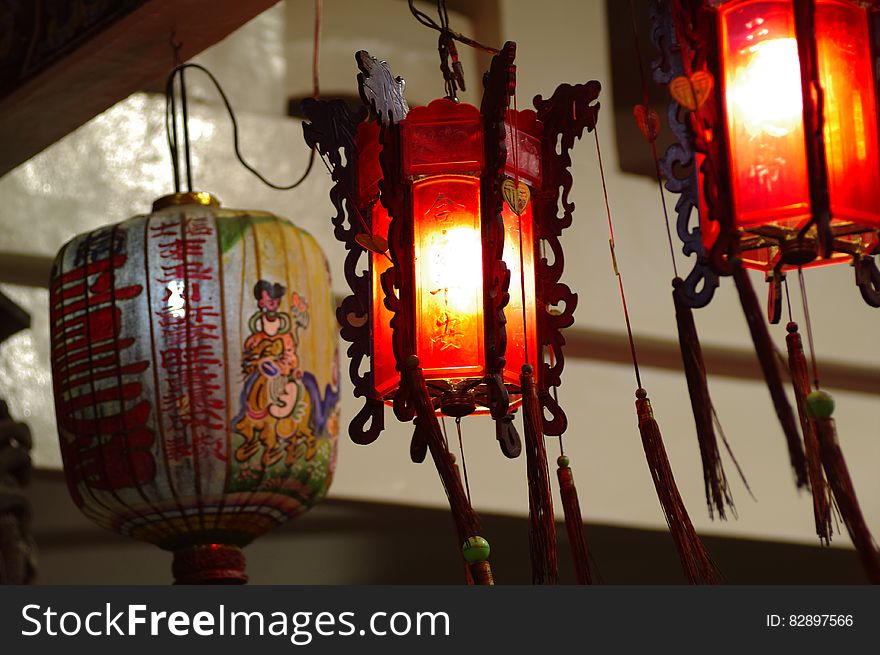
[(443, 109), (187, 198)]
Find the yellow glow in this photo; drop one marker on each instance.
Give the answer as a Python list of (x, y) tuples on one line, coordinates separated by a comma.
[(765, 93), (455, 268)]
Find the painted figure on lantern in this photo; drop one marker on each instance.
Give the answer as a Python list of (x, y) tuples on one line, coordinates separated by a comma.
[(275, 407)]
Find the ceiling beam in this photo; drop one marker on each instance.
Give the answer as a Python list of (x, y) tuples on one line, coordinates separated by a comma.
[(106, 65)]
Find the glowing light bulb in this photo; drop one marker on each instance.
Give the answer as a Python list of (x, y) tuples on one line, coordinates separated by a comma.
[(455, 268), (449, 276), (765, 93)]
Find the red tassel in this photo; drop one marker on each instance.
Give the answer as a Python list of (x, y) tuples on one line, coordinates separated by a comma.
[(467, 524), (714, 479), (542, 526), (695, 560), (845, 495), (574, 523), (800, 378), (767, 358)]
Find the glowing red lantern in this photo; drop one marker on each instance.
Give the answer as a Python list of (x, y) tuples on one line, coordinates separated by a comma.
[(784, 108), (776, 115), (457, 309), (470, 295), (443, 159)]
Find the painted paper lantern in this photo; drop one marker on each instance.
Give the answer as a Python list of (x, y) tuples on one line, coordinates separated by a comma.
[(783, 96), (196, 383)]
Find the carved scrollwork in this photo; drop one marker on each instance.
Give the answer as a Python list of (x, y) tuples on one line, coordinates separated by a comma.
[(384, 93), (507, 436), (868, 279), (565, 115), (331, 131), (380, 89), (498, 85), (677, 165), (418, 447)]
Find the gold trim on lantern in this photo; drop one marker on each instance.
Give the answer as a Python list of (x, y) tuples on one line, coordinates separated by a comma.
[(187, 198)]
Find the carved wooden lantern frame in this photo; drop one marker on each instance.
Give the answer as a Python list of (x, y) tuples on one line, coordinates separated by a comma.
[(380, 157), (777, 136)]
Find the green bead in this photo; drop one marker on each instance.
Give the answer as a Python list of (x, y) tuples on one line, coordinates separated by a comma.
[(475, 549), (820, 404), (563, 462)]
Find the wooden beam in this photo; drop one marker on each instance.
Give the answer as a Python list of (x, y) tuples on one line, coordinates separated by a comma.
[(25, 270), (580, 343), (128, 55), (737, 363)]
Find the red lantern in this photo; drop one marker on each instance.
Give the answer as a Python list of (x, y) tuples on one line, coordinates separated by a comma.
[(458, 308), (784, 102), (442, 162), (470, 295), (776, 114)]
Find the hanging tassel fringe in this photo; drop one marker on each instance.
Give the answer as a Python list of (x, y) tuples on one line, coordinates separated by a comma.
[(845, 495), (695, 560), (718, 496), (542, 527), (475, 549), (800, 377), (767, 358), (574, 523)]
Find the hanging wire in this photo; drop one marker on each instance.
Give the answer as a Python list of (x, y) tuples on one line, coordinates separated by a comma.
[(187, 151), (555, 395), (316, 50), (453, 77), (171, 137), (653, 142), (171, 116), (809, 323), (787, 299), (632, 344), (178, 72), (467, 486), (427, 21), (444, 15), (169, 90)]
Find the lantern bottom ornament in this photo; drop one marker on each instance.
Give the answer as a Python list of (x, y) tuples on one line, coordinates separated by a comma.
[(196, 378)]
